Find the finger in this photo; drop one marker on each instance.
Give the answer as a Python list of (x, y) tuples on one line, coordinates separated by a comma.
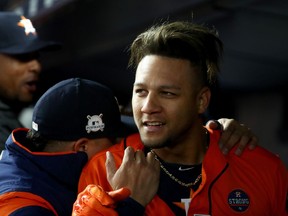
[(225, 123), (239, 138), (244, 140), (253, 142), (230, 129), (128, 154), (214, 125), (247, 139), (110, 166), (120, 194), (139, 156), (235, 133), (224, 139), (150, 158), (211, 125)]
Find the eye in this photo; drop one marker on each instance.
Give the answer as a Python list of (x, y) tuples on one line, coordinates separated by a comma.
[(168, 94), (26, 57), (140, 92)]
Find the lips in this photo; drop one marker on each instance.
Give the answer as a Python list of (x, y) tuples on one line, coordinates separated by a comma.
[(31, 85), (153, 126), (149, 123)]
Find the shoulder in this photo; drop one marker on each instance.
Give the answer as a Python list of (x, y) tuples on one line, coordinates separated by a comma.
[(32, 210), (261, 165), (259, 155), (260, 158), (16, 138), (263, 158), (24, 203)]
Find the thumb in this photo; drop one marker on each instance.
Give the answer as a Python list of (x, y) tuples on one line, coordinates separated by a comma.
[(120, 194), (214, 125), (110, 166)]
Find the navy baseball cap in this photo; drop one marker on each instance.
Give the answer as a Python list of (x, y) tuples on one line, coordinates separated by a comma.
[(18, 36), (76, 108)]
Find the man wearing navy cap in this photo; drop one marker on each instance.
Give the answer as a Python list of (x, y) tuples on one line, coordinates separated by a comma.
[(19, 68), (40, 167)]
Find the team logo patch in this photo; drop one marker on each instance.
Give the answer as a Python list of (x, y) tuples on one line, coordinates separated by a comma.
[(238, 200), (27, 25), (95, 123)]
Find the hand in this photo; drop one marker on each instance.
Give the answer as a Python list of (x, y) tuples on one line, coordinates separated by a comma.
[(137, 173), (233, 133), (95, 201)]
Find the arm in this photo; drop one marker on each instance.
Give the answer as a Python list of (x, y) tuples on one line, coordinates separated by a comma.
[(233, 134), (23, 204)]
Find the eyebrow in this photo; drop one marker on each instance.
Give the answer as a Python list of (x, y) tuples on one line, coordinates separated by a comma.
[(161, 87)]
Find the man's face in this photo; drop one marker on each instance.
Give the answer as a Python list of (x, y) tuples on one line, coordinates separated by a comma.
[(18, 76), (166, 100), (97, 145)]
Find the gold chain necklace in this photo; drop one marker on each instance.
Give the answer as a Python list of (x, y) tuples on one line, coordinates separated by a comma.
[(173, 177)]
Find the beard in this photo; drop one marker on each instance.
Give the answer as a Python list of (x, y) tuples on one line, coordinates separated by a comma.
[(156, 144)]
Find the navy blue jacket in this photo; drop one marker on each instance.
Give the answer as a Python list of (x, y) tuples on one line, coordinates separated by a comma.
[(51, 176)]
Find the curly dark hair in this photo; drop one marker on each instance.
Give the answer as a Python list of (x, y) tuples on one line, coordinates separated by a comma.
[(35, 142)]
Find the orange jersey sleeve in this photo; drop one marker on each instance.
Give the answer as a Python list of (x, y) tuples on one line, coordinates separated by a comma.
[(12, 201)]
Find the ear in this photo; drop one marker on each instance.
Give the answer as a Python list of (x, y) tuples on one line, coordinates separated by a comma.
[(203, 99), (81, 145)]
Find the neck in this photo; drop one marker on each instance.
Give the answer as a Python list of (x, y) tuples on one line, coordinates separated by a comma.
[(189, 152)]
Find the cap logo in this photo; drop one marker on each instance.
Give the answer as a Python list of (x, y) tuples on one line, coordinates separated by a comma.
[(35, 126), (27, 25), (95, 123)]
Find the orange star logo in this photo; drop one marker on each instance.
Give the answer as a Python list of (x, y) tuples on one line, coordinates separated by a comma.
[(27, 25)]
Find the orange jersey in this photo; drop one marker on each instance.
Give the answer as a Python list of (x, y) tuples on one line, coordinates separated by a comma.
[(256, 183)]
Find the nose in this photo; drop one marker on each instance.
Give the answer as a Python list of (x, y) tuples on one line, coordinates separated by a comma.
[(35, 66), (151, 104)]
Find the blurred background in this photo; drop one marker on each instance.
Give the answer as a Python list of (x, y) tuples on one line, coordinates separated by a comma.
[(253, 86)]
